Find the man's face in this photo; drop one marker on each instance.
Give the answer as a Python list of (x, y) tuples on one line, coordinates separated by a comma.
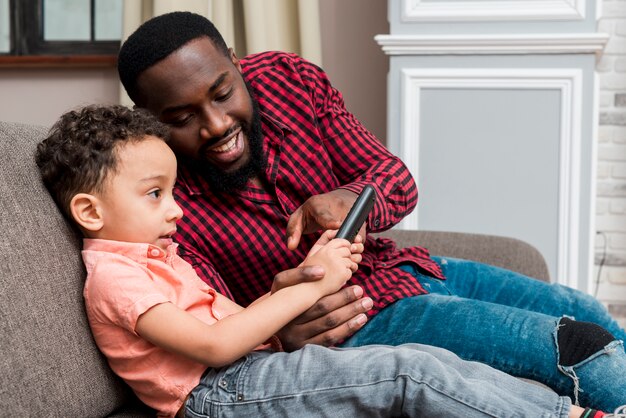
[(200, 93)]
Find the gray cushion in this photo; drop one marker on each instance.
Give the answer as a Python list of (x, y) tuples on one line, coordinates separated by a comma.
[(509, 253), (49, 365)]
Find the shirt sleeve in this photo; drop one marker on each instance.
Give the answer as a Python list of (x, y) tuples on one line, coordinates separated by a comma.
[(118, 294), (358, 157)]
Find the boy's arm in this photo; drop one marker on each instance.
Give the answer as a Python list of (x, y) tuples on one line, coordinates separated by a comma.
[(175, 330), (225, 341)]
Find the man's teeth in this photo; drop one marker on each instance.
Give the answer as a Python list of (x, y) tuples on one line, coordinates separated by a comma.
[(227, 146)]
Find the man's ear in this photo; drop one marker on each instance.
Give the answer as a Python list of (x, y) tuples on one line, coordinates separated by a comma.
[(234, 59), (85, 209)]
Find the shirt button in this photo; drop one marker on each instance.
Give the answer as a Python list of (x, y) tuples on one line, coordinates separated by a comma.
[(154, 252), (223, 383), (376, 222)]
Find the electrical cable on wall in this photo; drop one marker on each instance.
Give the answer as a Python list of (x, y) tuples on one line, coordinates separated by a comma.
[(602, 260)]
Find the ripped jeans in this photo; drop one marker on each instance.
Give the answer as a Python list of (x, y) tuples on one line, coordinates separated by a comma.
[(513, 323)]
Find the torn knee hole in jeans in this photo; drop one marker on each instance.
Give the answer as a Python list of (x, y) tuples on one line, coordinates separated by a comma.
[(578, 342)]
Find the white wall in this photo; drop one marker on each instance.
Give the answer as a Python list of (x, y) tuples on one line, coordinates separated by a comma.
[(353, 60), (39, 95)]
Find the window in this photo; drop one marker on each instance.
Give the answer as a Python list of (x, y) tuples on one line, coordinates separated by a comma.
[(60, 27), (5, 25)]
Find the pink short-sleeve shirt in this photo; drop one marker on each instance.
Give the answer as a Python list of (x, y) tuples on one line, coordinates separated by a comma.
[(124, 280)]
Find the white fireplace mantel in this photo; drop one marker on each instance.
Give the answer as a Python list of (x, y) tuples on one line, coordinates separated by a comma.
[(492, 105)]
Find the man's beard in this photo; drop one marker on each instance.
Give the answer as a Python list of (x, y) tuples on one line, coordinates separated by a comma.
[(229, 182)]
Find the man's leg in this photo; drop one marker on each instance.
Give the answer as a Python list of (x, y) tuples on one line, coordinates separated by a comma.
[(578, 342), (472, 280), (378, 381)]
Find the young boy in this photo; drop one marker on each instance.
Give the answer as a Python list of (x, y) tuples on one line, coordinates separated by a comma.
[(187, 350)]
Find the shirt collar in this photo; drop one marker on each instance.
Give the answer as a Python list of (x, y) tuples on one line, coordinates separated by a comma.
[(133, 250)]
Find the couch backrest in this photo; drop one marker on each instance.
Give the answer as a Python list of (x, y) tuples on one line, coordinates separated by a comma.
[(49, 364)]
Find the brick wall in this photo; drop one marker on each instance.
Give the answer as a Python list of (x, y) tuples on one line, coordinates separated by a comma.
[(611, 183)]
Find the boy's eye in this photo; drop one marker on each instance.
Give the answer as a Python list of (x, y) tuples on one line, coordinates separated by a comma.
[(155, 193)]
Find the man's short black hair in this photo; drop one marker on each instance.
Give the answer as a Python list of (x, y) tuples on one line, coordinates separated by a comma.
[(156, 39)]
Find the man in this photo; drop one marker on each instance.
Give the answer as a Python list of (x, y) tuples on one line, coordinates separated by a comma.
[(269, 153)]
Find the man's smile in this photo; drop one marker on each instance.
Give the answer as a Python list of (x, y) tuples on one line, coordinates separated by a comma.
[(227, 152), (228, 145)]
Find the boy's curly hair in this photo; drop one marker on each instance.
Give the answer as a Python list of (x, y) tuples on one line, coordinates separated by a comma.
[(80, 150)]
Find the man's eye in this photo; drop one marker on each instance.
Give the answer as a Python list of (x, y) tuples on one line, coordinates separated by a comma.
[(224, 96), (180, 121), (155, 194)]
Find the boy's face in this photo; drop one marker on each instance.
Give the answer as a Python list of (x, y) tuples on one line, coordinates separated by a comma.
[(137, 204)]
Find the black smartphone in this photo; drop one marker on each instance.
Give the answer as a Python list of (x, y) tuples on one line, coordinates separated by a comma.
[(358, 214)]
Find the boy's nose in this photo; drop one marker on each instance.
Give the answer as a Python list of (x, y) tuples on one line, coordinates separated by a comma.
[(176, 212)]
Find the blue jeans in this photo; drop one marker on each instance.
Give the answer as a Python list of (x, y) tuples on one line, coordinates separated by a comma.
[(510, 322), (374, 381)]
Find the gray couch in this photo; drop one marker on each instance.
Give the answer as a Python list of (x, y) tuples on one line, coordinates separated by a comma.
[(49, 365)]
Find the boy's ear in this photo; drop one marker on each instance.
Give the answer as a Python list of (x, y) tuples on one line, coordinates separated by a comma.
[(86, 212)]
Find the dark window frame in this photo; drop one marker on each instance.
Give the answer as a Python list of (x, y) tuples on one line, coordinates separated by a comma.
[(27, 24)]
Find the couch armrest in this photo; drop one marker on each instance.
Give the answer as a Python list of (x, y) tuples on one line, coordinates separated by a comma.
[(509, 253)]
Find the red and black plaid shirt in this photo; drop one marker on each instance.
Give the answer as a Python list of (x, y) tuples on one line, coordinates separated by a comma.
[(237, 242)]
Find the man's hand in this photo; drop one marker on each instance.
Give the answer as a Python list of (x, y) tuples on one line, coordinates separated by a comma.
[(333, 318), (320, 212), (297, 275)]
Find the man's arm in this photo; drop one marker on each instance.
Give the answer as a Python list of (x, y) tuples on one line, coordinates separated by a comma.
[(359, 158)]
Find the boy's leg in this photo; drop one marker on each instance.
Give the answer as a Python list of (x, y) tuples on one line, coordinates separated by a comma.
[(377, 381)]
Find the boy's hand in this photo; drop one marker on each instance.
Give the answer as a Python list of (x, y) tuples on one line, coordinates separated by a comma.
[(306, 272), (334, 317), (356, 248), (336, 259)]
